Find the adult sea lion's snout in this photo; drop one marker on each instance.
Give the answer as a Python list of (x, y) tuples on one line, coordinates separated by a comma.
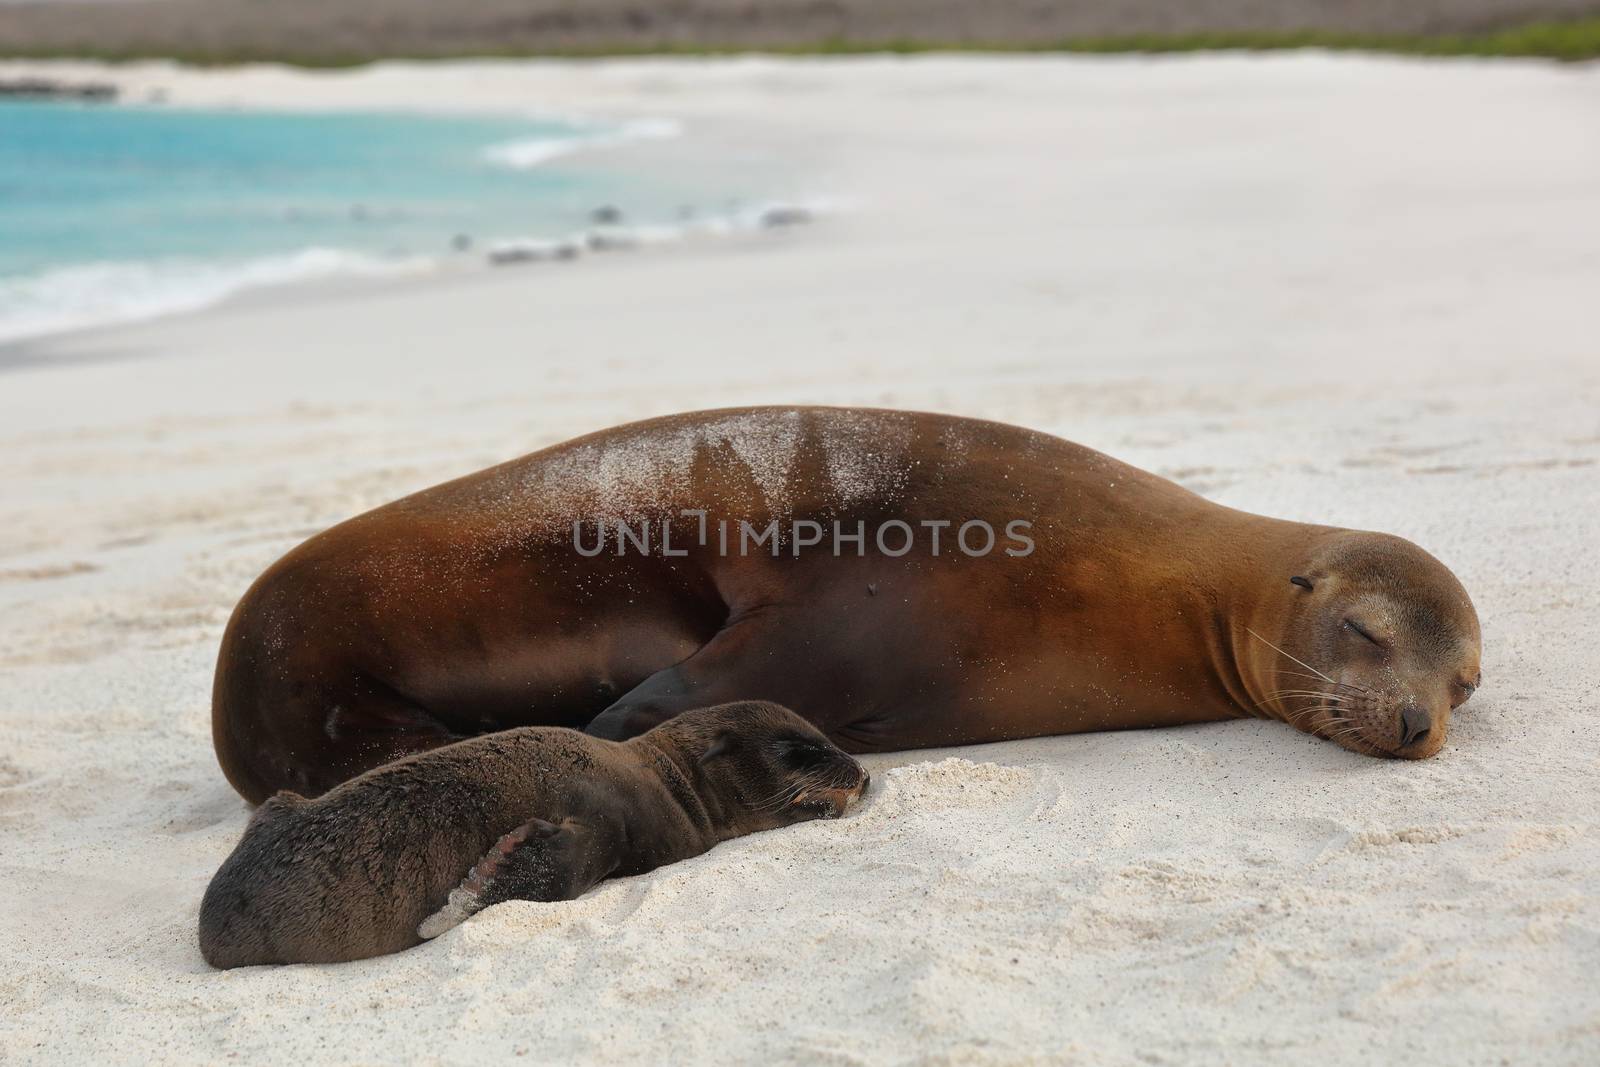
[(1416, 724)]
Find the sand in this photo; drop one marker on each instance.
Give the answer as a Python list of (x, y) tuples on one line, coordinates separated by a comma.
[(1353, 291)]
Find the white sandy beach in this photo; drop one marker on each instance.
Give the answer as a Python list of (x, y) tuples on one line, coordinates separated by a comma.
[(1343, 290)]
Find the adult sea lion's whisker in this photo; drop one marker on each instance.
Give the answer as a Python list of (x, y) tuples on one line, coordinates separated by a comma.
[(1281, 652), (1294, 716), (1306, 713), (1331, 681), (1350, 730), (1303, 674), (1318, 700)]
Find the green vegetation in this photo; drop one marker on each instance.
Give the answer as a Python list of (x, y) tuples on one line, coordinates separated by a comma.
[(1568, 41), (1571, 41)]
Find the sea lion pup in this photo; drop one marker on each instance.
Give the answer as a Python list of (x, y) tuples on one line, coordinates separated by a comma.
[(902, 580), (536, 813)]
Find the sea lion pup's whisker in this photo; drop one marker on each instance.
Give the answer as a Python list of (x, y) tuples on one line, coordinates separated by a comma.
[(778, 801), (782, 797), (794, 789), (810, 780), (1281, 652)]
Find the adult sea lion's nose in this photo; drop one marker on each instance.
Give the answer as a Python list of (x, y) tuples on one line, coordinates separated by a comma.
[(1415, 722)]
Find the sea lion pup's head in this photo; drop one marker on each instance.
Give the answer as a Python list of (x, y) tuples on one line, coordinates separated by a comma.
[(762, 766), (1376, 645)]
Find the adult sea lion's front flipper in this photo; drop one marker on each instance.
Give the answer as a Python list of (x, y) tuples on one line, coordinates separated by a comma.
[(808, 657)]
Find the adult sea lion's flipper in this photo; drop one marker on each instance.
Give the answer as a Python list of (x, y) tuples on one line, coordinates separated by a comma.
[(753, 658)]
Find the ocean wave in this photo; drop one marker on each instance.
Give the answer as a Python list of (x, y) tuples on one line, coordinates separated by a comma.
[(110, 293), (113, 293), (526, 153)]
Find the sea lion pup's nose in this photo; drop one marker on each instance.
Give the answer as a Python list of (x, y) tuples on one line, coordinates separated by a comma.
[(1415, 722)]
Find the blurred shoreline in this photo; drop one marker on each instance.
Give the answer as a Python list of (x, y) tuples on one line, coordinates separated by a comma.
[(492, 180), (313, 33)]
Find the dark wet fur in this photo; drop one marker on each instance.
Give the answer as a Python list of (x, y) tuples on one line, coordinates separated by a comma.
[(353, 873)]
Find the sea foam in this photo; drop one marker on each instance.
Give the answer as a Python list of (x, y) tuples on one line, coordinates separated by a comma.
[(109, 293), (527, 152)]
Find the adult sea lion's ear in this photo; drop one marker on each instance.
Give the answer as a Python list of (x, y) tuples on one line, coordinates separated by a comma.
[(718, 747), (1302, 582)]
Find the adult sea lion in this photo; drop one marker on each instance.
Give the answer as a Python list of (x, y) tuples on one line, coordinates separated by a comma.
[(901, 580), (369, 867)]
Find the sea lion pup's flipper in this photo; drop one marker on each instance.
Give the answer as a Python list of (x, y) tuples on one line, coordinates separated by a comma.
[(539, 860)]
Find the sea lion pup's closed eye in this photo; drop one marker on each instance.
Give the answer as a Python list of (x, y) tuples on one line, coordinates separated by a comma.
[(411, 848)]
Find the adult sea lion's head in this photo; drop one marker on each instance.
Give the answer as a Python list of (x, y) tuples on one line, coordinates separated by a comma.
[(1376, 645), (766, 766)]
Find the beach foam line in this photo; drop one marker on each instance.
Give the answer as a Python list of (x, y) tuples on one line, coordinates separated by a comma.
[(90, 295), (529, 152), (109, 293), (769, 215)]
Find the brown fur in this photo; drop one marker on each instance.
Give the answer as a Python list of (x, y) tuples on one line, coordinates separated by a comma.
[(465, 608), (544, 814)]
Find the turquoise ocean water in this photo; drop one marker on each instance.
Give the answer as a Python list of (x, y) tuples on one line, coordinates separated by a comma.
[(112, 213)]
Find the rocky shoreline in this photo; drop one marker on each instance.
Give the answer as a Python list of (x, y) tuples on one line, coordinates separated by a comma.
[(51, 89)]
